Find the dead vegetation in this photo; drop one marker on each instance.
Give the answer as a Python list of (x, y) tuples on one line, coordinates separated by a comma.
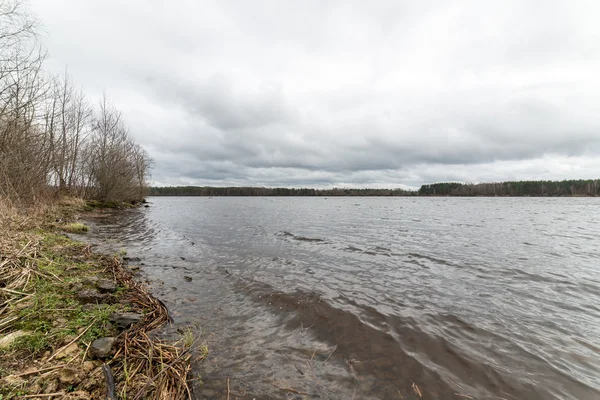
[(53, 141), (47, 334)]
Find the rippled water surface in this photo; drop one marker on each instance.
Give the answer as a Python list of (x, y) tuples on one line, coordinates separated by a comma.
[(378, 298)]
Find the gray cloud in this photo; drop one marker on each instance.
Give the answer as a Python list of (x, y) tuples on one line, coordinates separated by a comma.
[(323, 93)]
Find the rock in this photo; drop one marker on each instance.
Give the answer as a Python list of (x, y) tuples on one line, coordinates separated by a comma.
[(132, 259), (88, 366), (106, 285), (76, 286), (134, 267), (102, 348), (70, 350), (89, 280), (9, 339), (187, 278), (89, 296), (147, 206), (92, 296), (69, 376), (125, 320), (182, 258)]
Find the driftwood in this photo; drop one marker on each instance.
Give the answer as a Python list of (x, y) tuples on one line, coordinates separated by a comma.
[(110, 383)]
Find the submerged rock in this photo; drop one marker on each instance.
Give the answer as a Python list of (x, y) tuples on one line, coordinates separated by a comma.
[(103, 347), (132, 259), (187, 278), (126, 319)]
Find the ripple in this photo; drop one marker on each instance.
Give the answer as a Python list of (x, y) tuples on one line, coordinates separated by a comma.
[(481, 297)]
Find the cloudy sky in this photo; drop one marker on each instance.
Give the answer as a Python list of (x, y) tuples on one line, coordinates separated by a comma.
[(342, 93)]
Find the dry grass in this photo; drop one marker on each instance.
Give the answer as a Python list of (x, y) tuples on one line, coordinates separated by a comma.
[(36, 267), (72, 202), (75, 227), (148, 368)]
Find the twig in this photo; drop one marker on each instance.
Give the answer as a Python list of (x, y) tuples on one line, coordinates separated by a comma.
[(330, 354), (288, 389), (71, 342), (110, 383), (416, 389), (38, 371), (86, 351)]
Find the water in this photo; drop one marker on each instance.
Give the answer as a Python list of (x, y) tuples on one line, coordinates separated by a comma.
[(378, 298)]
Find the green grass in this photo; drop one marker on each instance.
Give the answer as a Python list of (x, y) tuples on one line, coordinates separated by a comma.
[(75, 227), (33, 344), (52, 300)]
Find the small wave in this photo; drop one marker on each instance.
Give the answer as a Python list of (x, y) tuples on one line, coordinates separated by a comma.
[(353, 249), (429, 258), (300, 238)]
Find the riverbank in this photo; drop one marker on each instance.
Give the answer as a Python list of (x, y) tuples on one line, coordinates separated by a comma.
[(72, 321)]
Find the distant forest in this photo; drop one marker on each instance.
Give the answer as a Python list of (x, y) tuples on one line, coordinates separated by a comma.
[(522, 188)]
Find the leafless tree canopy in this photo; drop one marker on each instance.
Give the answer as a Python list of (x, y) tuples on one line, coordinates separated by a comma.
[(52, 140)]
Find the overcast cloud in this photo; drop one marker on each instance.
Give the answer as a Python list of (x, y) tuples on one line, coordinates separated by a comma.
[(343, 93)]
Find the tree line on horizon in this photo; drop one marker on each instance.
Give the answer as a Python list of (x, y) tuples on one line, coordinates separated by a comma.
[(578, 187), (53, 141), (264, 191), (590, 187)]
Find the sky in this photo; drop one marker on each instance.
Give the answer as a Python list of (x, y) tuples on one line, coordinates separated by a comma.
[(352, 93)]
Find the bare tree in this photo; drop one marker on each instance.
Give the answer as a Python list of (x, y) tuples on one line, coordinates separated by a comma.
[(117, 166), (50, 140)]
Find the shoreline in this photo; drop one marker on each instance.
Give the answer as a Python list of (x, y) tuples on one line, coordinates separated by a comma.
[(70, 319)]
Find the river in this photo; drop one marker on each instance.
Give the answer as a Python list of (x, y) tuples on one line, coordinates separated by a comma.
[(377, 298)]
